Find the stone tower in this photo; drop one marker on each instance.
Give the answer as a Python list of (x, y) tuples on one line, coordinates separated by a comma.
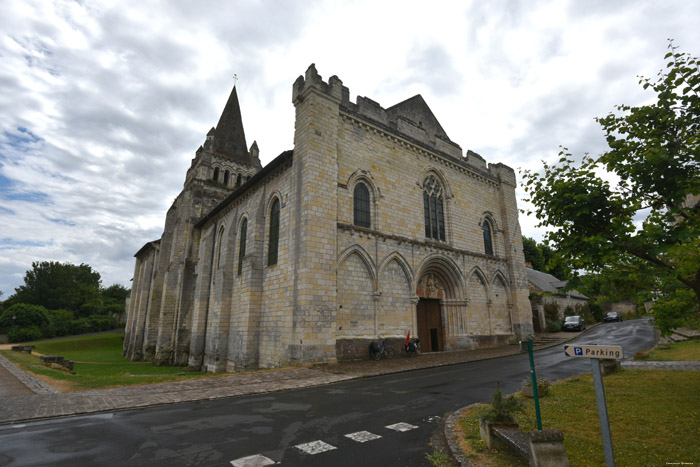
[(163, 277)]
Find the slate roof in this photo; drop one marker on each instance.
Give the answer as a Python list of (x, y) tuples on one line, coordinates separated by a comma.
[(229, 137), (547, 283)]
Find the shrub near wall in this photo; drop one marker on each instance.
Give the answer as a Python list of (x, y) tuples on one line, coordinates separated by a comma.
[(551, 313)]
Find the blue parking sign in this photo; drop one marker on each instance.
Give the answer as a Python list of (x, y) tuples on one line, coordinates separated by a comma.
[(578, 351)]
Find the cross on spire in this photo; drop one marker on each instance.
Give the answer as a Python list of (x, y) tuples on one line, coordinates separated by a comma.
[(235, 79)]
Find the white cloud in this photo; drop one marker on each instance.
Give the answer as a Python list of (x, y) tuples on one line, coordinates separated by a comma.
[(103, 103)]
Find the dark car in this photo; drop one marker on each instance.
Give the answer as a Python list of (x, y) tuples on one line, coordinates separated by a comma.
[(612, 316), (573, 323)]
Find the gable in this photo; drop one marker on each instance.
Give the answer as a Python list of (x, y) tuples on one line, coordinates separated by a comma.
[(416, 110)]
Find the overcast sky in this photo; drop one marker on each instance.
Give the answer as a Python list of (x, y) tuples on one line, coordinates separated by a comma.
[(103, 103)]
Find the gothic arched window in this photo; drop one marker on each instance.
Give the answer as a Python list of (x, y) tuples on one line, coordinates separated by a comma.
[(433, 209), (238, 180), (488, 241), (216, 174), (241, 245), (226, 175), (273, 243), (361, 212)]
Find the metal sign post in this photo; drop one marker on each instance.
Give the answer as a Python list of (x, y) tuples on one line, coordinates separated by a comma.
[(527, 345), (595, 353)]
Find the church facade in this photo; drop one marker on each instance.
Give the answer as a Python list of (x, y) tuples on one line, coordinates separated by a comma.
[(375, 224)]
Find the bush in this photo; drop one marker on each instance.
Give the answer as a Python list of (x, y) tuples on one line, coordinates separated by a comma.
[(553, 325), (596, 311), (61, 322), (21, 315), (570, 311), (80, 326), (18, 334), (551, 311), (101, 323), (502, 410), (586, 314)]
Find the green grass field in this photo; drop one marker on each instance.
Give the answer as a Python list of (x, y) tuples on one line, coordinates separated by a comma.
[(99, 364), (679, 351), (654, 417), (94, 348)]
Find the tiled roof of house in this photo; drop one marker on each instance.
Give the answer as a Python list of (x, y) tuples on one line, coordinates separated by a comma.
[(547, 283)]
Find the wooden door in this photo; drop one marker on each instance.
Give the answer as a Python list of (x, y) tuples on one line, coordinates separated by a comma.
[(430, 325)]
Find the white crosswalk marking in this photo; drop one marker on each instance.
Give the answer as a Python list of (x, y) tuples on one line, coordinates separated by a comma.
[(315, 447), (401, 427), (362, 436), (253, 461)]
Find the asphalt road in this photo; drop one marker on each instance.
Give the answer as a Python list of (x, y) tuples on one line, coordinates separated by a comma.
[(273, 425)]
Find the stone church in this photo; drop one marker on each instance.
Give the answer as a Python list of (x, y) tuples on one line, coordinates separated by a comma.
[(375, 224)]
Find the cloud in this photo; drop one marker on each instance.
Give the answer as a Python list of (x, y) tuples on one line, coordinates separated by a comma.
[(102, 103)]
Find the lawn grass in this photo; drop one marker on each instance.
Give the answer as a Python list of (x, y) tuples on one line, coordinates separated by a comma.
[(93, 348), (99, 364), (679, 351), (100, 375), (654, 419)]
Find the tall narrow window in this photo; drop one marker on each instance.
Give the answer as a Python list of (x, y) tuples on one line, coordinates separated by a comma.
[(433, 209), (361, 206), (226, 175), (219, 242), (238, 180), (241, 245), (274, 233), (216, 174), (488, 243)]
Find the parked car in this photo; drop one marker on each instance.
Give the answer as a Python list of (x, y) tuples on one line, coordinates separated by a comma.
[(573, 323), (612, 316)]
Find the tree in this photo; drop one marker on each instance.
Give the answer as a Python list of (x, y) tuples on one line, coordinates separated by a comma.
[(60, 286), (114, 298), (533, 254), (654, 161), (544, 258)]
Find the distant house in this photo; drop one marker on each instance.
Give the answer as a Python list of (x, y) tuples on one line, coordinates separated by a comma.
[(546, 289)]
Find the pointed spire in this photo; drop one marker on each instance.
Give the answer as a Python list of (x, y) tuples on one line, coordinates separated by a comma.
[(230, 137)]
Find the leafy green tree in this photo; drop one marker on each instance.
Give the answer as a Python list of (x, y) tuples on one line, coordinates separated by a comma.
[(647, 219), (114, 298), (545, 259), (533, 254), (57, 285)]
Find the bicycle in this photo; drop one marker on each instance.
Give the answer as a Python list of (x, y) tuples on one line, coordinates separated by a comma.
[(413, 347), (376, 350)]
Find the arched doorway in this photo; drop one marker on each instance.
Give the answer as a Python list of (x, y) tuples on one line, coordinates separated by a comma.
[(437, 286), (430, 331)]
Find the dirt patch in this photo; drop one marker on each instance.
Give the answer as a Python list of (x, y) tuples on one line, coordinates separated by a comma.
[(63, 386)]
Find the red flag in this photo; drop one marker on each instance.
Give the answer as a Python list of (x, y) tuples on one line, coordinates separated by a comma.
[(408, 337)]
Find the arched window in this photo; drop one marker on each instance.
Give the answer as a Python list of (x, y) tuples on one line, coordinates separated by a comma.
[(226, 175), (216, 174), (433, 209), (361, 213), (488, 242), (219, 242), (238, 180), (241, 245), (274, 233)]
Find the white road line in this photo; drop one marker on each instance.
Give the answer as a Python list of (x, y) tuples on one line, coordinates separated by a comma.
[(401, 427), (315, 447), (362, 436), (252, 461)]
